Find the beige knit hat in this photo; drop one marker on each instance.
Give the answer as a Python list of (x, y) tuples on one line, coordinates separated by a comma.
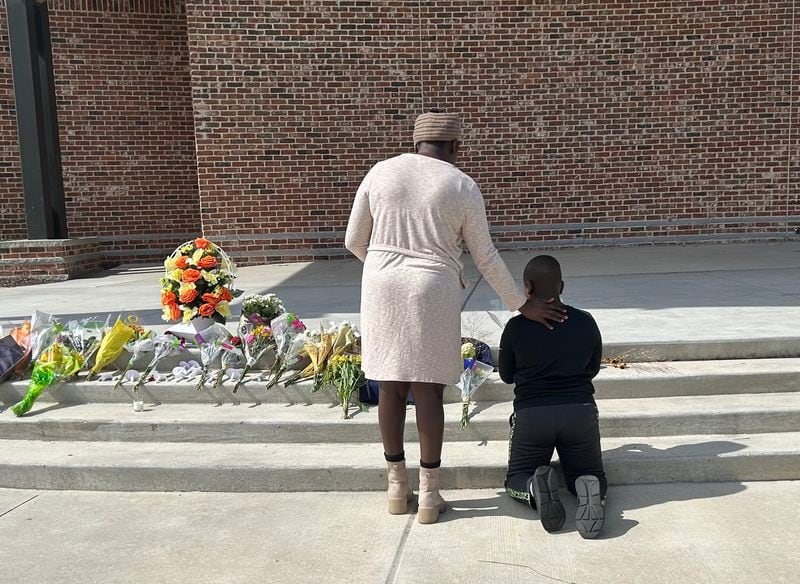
[(435, 126)]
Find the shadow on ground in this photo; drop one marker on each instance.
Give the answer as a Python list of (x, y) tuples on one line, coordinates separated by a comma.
[(635, 496)]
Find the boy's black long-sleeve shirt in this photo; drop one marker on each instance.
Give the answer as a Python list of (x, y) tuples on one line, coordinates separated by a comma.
[(551, 367)]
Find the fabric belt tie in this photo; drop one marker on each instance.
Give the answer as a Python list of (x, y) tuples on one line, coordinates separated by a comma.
[(449, 262)]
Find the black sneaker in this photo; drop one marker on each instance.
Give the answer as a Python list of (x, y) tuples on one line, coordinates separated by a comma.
[(591, 511), (543, 489)]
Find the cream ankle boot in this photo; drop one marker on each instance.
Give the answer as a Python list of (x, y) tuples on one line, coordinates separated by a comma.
[(431, 503), (399, 492)]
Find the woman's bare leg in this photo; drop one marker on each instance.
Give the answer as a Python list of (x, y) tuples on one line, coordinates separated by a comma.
[(392, 417), (430, 421)]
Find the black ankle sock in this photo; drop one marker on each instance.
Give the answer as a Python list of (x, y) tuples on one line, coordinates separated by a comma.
[(395, 457), (436, 464)]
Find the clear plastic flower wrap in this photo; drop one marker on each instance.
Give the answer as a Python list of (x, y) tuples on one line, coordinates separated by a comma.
[(163, 346), (287, 331), (232, 355), (257, 340), (141, 343), (473, 376), (86, 335), (331, 340), (210, 343), (44, 330)]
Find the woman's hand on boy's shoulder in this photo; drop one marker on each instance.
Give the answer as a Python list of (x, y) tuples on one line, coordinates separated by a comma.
[(545, 312)]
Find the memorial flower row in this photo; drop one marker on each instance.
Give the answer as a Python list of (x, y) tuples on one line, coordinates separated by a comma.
[(271, 345), (282, 351)]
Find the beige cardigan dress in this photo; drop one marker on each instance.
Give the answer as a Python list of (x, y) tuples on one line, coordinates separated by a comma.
[(409, 219)]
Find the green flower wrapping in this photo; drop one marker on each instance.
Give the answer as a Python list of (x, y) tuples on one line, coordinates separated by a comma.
[(55, 365)]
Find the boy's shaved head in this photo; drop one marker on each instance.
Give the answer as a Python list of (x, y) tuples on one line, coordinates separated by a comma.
[(543, 277)]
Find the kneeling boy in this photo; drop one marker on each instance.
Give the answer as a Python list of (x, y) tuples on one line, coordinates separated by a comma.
[(554, 406)]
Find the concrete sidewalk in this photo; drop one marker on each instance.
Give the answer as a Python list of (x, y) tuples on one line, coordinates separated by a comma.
[(679, 533), (637, 294)]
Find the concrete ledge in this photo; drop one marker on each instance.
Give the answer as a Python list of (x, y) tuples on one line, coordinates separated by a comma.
[(768, 348), (115, 466), (639, 380), (38, 261)]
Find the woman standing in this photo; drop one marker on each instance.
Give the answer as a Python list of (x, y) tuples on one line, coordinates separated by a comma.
[(409, 219)]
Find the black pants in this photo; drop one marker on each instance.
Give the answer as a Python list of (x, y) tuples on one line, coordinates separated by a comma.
[(571, 429)]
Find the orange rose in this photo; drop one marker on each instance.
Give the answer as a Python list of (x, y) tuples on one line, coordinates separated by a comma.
[(188, 296), (225, 295), (167, 298), (207, 262), (182, 262), (212, 299), (174, 312), (202, 243), (207, 309), (191, 276)]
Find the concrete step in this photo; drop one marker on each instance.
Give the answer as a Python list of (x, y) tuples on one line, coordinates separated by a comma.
[(197, 466), (683, 378), (709, 350), (317, 423)]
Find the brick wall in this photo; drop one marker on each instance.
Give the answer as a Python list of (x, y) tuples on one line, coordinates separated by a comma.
[(12, 203), (586, 122), (127, 131), (126, 126)]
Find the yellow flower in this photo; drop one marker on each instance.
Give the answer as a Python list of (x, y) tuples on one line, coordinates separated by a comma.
[(185, 287), (188, 313), (198, 255), (187, 248), (165, 314), (176, 275), (224, 309), (169, 264), (209, 277)]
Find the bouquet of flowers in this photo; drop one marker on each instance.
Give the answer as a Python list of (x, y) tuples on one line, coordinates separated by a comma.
[(44, 331), (58, 362), (210, 342), (232, 355), (257, 340), (344, 373), (113, 344), (321, 347), (317, 348), (311, 341), (85, 336), (141, 342), (288, 331), (163, 345), (474, 374), (261, 308), (198, 282)]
